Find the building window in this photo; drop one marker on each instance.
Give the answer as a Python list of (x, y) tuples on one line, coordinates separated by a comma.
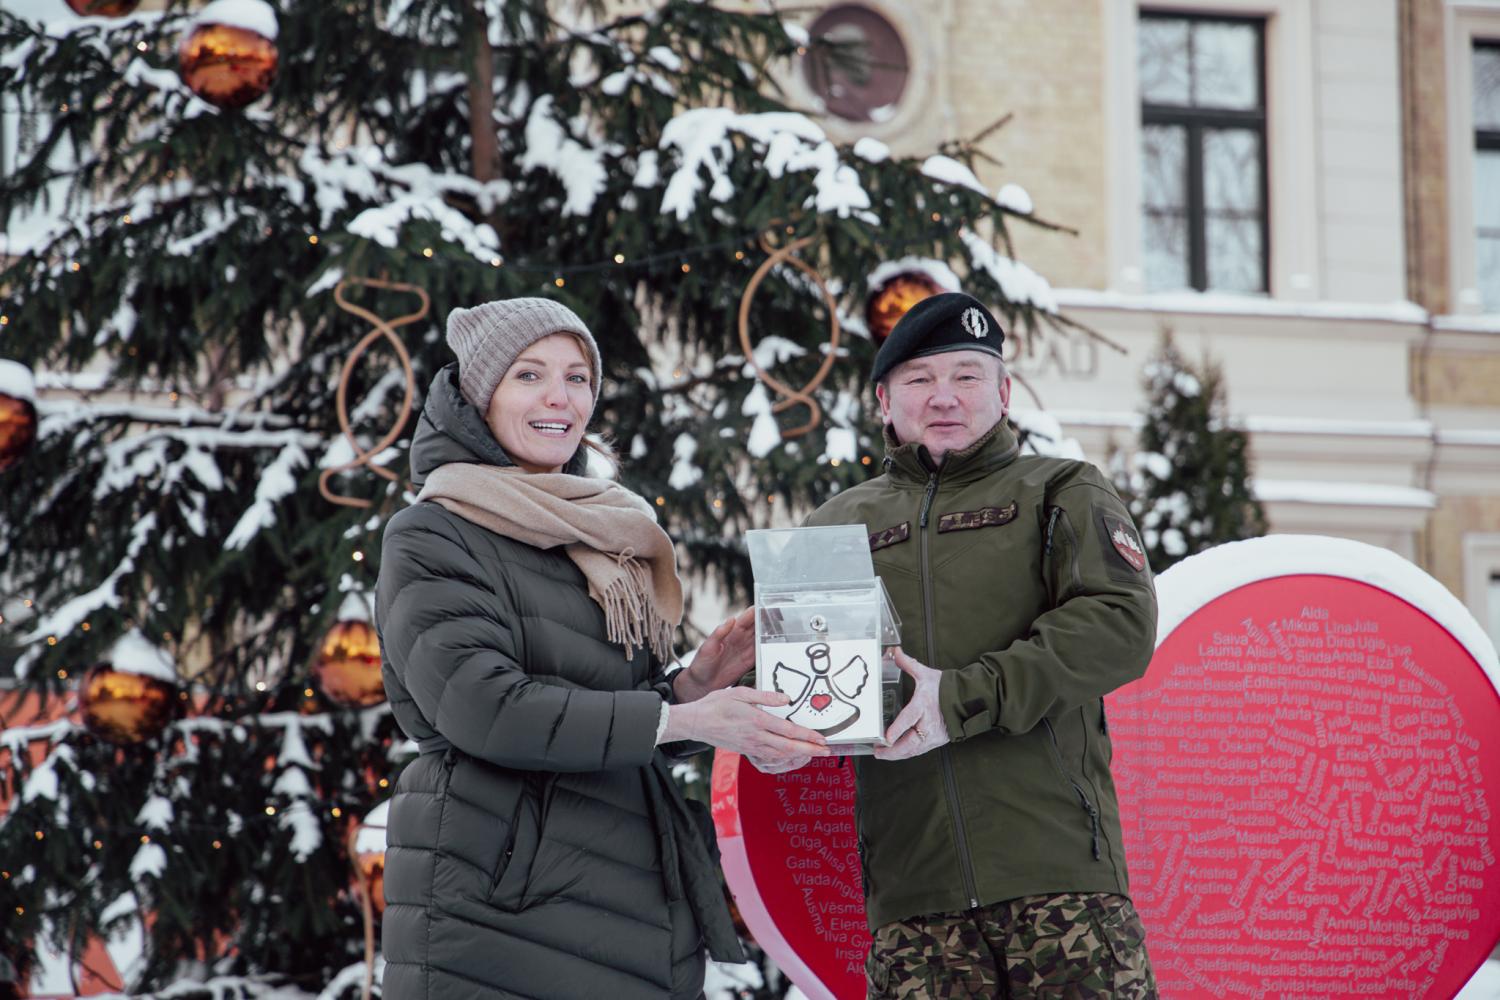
[(862, 77), (1203, 146), (1494, 608), (1487, 172)]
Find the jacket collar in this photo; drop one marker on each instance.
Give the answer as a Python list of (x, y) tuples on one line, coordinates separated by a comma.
[(450, 430), (911, 462)]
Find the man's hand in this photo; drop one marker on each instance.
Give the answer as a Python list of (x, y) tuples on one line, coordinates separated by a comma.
[(725, 656), (920, 727)]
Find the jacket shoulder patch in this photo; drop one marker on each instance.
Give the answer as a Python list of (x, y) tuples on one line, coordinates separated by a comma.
[(1126, 543), (985, 517), (890, 536)]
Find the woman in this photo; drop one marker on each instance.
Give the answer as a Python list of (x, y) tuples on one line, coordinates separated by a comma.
[(538, 847)]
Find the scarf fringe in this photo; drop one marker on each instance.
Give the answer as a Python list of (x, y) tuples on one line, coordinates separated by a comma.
[(629, 617)]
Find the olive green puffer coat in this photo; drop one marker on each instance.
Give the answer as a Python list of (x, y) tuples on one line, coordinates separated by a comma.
[(538, 848)]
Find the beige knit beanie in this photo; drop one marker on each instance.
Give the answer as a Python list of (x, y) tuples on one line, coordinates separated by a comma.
[(489, 337)]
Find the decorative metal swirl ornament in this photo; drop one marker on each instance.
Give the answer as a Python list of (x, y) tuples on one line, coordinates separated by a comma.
[(387, 329), (779, 255)]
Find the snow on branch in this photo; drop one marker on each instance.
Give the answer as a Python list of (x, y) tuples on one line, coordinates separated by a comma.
[(1019, 284), (67, 617), (550, 148), (789, 142), (947, 170), (276, 482), (357, 169), (60, 415)]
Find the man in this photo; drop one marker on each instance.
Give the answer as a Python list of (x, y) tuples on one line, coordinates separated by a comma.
[(989, 829)]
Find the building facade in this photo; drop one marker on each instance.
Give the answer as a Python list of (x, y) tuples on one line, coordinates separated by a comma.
[(1306, 191)]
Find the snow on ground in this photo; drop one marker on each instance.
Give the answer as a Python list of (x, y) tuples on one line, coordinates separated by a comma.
[(1485, 985), (1226, 567)]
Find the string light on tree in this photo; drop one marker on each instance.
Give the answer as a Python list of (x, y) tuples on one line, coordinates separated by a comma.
[(17, 413), (229, 56), (132, 696), (897, 286)]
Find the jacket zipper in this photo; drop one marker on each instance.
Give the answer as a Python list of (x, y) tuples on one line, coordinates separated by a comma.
[(1083, 771), (1084, 800), (950, 780), (1074, 577)]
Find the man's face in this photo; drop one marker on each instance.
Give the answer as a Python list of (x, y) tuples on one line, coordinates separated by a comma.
[(944, 401)]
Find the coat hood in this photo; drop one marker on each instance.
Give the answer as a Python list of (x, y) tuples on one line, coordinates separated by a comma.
[(451, 430)]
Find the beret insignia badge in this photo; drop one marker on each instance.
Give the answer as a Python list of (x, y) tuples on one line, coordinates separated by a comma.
[(973, 322)]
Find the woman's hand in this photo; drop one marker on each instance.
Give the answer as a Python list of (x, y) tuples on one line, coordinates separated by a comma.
[(725, 656), (779, 766), (732, 719)]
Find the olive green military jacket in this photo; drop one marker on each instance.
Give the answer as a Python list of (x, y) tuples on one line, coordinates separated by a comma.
[(1023, 580)]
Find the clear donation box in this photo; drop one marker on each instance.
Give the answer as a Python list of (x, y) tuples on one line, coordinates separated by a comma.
[(825, 630)]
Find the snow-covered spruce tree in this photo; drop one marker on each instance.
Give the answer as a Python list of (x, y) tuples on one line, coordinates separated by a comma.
[(1188, 483), (169, 269)]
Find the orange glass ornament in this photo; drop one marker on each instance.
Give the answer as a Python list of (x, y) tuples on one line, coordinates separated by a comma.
[(227, 66), (367, 842), (126, 708), (372, 872), (17, 429), (348, 666), (104, 8), (888, 303)]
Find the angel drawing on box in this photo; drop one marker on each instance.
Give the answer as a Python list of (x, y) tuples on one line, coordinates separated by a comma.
[(822, 697)]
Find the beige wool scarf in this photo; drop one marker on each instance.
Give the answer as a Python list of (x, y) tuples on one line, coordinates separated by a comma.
[(610, 534)]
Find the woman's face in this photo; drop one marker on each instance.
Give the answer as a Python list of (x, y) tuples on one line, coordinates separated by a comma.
[(541, 407)]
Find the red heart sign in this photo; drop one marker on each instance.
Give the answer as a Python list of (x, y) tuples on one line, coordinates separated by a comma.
[(1304, 777), (791, 859), (821, 701)]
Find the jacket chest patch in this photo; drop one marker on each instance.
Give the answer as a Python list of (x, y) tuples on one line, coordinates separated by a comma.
[(986, 517), (890, 536), (1126, 542)]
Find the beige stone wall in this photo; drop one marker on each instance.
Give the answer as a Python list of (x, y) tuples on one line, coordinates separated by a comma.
[(1424, 141), (1454, 518), (1043, 62), (1464, 378)]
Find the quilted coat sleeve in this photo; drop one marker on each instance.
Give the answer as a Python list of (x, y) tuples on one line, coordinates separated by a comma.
[(449, 636), (1099, 634)]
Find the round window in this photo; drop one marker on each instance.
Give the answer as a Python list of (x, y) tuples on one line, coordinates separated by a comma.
[(861, 77)]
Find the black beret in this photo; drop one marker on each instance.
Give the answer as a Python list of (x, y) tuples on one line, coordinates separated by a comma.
[(951, 321)]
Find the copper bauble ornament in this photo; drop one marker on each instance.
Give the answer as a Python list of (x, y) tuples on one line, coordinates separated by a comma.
[(348, 666), (229, 65), (369, 855), (17, 429), (104, 8), (125, 707), (889, 302), (372, 870)]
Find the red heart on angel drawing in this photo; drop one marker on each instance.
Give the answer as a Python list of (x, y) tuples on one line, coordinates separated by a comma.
[(821, 701)]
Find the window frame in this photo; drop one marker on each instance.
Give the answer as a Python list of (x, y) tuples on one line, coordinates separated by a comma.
[(1481, 565), (1485, 140), (1195, 120), (1467, 24)]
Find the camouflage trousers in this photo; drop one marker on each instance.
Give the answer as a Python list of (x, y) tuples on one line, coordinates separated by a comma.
[(1074, 946)]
